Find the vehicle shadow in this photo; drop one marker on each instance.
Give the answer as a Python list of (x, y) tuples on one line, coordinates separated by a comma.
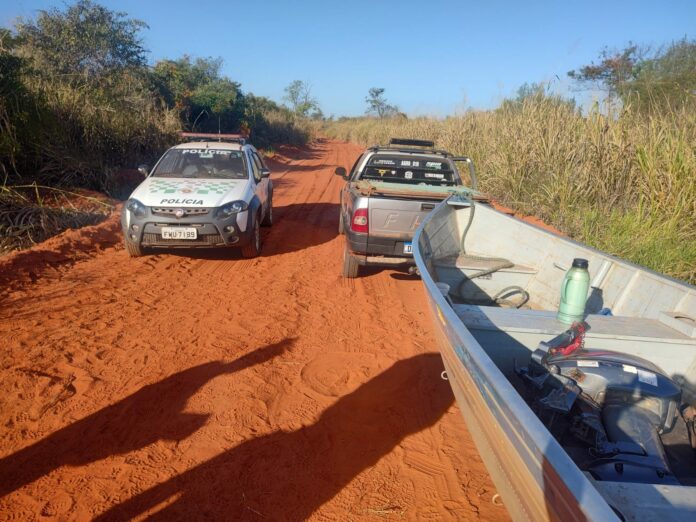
[(155, 412), (296, 227), (284, 182), (404, 275), (399, 273), (299, 226), (278, 167), (289, 475), (288, 153)]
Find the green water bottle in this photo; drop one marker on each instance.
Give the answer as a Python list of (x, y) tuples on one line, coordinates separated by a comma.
[(574, 292)]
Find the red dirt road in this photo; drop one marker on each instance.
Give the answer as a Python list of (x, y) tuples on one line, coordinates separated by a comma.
[(194, 386)]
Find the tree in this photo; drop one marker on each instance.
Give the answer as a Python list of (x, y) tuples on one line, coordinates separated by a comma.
[(666, 77), (86, 39), (317, 114), (530, 90), (78, 100), (204, 98), (299, 95), (377, 104), (536, 93), (83, 72), (614, 72)]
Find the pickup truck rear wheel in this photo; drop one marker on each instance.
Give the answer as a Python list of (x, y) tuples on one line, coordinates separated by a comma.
[(351, 268), (133, 249), (341, 226)]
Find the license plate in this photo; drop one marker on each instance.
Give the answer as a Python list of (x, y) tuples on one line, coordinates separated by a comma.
[(179, 233), (408, 248)]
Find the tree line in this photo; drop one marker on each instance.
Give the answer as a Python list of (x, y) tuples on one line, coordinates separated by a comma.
[(78, 99), (637, 78)]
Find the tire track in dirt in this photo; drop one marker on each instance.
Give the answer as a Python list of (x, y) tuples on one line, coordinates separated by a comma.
[(188, 386)]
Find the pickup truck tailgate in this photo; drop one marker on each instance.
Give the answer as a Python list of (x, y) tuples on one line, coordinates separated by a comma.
[(396, 218)]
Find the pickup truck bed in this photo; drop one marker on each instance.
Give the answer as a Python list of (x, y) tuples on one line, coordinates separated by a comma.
[(370, 188)]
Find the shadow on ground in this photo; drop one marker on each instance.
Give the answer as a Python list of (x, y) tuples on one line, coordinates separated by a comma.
[(297, 226), (289, 475), (153, 413)]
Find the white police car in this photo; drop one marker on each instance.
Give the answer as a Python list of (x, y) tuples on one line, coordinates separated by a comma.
[(213, 191)]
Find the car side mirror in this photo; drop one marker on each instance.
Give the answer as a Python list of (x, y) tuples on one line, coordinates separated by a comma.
[(265, 173), (340, 171), (144, 169)]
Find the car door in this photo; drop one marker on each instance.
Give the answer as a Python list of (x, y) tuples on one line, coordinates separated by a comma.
[(261, 188)]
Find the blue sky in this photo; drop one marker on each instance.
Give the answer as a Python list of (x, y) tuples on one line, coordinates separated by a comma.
[(432, 57)]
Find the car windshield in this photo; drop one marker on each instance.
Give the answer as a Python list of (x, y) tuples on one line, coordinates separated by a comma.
[(201, 163), (416, 170)]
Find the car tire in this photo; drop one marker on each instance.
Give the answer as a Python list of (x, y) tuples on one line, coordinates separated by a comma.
[(268, 218), (133, 249), (341, 226), (253, 249), (351, 267)]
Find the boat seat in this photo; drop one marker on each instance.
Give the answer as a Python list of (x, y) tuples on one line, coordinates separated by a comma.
[(510, 334), (466, 263), (544, 322)]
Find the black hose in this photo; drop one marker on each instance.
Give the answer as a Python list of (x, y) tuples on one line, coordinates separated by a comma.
[(472, 209), (514, 289), (502, 264)]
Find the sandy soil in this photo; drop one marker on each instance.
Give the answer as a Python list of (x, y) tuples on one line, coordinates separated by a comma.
[(198, 385)]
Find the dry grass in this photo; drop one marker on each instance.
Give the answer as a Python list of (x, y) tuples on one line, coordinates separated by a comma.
[(25, 220), (625, 183)]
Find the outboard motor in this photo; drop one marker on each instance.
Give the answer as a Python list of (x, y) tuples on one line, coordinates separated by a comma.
[(618, 404)]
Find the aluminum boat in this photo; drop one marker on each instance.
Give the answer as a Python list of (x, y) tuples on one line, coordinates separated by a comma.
[(589, 421)]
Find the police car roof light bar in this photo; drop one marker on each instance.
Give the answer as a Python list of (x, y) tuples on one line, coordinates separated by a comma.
[(209, 136)]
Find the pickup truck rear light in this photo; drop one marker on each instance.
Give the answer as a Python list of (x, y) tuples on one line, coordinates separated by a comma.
[(359, 223)]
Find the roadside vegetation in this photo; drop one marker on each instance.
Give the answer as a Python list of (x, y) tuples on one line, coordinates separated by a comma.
[(621, 177), (80, 109)]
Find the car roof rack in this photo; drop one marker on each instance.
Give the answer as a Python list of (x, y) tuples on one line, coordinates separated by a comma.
[(209, 136), (410, 145), (410, 142)]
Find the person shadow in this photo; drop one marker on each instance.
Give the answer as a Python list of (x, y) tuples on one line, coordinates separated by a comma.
[(289, 475), (153, 413)]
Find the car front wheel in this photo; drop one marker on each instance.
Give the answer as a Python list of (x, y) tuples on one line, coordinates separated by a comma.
[(133, 249), (253, 249)]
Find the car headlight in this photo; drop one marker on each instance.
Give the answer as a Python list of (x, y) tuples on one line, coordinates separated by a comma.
[(136, 207), (232, 208)]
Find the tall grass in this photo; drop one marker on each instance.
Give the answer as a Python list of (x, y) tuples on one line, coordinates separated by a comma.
[(273, 127), (623, 182), (88, 132)]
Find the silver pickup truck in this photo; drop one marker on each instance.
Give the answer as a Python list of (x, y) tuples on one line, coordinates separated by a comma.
[(388, 192)]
